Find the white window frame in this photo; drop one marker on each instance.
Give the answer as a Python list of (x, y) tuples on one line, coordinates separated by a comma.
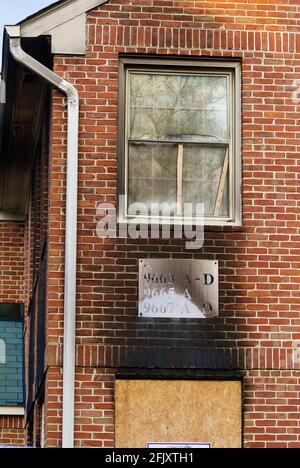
[(232, 69)]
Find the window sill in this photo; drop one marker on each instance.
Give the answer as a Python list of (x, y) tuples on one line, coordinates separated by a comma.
[(208, 225), (12, 411)]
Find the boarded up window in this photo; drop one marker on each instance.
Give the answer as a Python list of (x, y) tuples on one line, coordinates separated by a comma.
[(178, 411)]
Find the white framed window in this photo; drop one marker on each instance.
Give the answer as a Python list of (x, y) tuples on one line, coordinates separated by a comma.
[(180, 138)]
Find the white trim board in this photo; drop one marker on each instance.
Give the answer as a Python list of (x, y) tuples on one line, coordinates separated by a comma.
[(12, 411)]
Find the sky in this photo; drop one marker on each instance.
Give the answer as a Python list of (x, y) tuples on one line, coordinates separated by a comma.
[(13, 11)]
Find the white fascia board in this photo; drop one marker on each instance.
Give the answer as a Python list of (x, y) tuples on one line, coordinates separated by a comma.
[(13, 31), (12, 411), (61, 20)]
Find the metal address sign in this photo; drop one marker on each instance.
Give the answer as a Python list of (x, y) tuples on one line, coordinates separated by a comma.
[(178, 289)]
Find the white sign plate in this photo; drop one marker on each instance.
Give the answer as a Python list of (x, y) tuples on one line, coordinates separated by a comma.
[(179, 445), (178, 289)]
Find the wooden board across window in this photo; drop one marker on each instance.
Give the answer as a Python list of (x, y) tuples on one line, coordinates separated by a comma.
[(178, 411)]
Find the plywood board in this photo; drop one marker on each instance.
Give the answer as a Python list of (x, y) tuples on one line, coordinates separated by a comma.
[(178, 411)]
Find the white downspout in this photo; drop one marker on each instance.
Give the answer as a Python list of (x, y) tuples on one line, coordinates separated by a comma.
[(71, 228)]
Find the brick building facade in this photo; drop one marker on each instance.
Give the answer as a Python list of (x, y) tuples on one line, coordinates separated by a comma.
[(255, 339)]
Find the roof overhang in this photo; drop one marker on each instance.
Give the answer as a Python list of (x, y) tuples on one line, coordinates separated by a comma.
[(65, 22), (21, 117)]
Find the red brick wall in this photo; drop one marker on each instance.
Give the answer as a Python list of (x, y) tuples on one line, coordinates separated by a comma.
[(272, 409), (12, 431), (259, 264), (11, 262)]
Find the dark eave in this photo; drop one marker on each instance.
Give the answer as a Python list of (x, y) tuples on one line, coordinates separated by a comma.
[(59, 29), (20, 123)]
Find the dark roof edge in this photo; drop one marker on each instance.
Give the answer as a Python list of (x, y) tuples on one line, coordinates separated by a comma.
[(3, 78), (42, 11)]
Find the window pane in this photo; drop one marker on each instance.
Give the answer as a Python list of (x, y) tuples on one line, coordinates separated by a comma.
[(166, 91), (188, 111), (11, 355), (215, 94), (141, 90), (215, 125), (152, 173), (142, 125), (202, 168), (178, 107)]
